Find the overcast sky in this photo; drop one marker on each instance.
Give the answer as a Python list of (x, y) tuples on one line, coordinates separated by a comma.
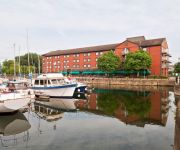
[(63, 24)]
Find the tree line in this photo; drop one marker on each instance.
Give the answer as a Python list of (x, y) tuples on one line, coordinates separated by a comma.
[(139, 60), (23, 67)]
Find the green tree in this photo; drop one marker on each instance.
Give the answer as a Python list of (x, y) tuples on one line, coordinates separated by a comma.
[(33, 60), (8, 65), (177, 67), (108, 62), (139, 60)]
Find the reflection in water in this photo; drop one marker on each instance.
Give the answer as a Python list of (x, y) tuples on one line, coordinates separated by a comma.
[(115, 121), (10, 128), (53, 109), (131, 107), (177, 125)]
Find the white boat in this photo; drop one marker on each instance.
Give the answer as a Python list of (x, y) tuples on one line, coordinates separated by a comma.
[(53, 85), (20, 86), (10, 102)]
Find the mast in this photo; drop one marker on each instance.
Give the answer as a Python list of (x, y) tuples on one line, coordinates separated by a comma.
[(27, 44), (39, 67), (14, 61), (19, 62)]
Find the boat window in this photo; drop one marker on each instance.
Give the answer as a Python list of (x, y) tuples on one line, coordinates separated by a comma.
[(54, 81), (36, 82), (49, 82), (61, 81), (41, 82), (45, 82)]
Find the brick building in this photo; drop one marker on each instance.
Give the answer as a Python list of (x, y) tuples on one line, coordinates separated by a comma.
[(86, 58)]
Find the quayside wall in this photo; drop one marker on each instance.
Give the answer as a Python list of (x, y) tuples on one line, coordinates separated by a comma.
[(126, 81)]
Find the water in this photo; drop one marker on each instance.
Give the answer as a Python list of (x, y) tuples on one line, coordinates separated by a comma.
[(133, 119)]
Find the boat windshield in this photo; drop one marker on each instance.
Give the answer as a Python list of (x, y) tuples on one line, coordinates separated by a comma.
[(54, 81)]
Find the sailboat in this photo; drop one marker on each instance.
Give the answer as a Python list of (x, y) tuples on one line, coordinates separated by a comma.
[(13, 100)]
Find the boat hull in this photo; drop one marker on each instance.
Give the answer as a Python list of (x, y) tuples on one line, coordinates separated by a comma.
[(66, 91), (13, 104)]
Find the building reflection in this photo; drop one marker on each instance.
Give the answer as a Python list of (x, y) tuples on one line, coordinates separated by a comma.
[(129, 106), (177, 124)]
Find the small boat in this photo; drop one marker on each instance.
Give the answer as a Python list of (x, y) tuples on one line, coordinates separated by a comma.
[(20, 86), (10, 102), (53, 85)]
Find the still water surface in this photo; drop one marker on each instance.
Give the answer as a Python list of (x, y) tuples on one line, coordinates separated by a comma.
[(105, 119)]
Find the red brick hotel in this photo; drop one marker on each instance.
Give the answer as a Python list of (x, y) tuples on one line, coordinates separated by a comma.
[(85, 58)]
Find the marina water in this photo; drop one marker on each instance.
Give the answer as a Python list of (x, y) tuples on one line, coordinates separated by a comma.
[(106, 118)]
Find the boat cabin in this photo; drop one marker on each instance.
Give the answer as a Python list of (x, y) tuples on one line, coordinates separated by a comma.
[(14, 85), (49, 82)]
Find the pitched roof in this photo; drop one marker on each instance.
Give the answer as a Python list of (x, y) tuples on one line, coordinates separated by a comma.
[(136, 39), (140, 40), (152, 42), (83, 50)]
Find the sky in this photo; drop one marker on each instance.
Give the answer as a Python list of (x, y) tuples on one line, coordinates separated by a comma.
[(63, 24)]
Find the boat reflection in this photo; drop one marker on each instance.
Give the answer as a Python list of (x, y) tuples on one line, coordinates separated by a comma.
[(129, 106), (11, 127), (53, 109)]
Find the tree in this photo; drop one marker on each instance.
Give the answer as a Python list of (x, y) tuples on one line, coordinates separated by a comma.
[(138, 61), (33, 60), (177, 67), (8, 65), (108, 62)]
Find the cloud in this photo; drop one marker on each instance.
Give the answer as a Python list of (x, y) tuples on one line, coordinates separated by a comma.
[(61, 24)]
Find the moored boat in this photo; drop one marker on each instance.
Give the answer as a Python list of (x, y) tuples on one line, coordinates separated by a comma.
[(54, 86), (10, 102)]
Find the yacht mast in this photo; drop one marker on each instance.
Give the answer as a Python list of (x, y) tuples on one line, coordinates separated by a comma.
[(14, 61), (19, 62), (39, 64), (27, 44)]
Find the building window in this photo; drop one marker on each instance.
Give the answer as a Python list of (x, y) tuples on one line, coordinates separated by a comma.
[(88, 66), (85, 60), (145, 49), (101, 53), (85, 66), (76, 60), (96, 59), (97, 53), (85, 54), (125, 51), (65, 56), (88, 59), (76, 55), (89, 54)]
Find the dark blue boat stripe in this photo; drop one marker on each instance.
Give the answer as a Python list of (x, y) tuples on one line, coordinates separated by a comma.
[(55, 87)]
